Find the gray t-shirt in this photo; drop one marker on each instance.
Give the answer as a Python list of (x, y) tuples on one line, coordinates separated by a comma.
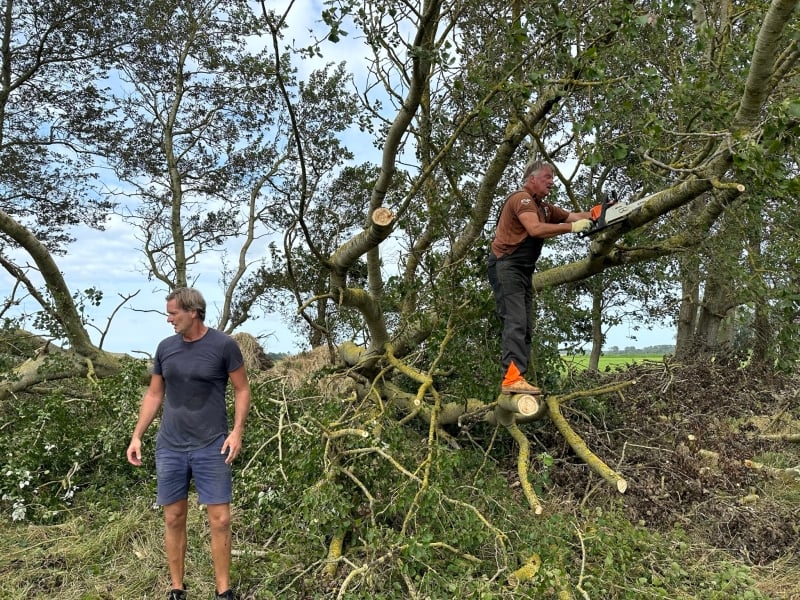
[(195, 376)]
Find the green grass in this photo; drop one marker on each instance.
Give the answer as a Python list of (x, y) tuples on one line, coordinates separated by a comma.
[(468, 531), (595, 553), (614, 361)]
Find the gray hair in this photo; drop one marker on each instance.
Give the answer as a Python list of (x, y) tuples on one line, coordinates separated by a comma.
[(189, 299), (535, 166)]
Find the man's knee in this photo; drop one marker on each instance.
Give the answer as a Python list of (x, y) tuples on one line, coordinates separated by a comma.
[(175, 515), (219, 517)]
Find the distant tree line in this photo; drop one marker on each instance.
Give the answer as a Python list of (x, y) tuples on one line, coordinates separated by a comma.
[(660, 349)]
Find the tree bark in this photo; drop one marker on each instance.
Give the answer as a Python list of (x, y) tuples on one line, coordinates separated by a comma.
[(344, 258), (597, 329), (63, 305), (716, 311), (689, 307)]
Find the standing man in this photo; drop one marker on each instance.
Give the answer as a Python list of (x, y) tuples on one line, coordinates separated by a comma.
[(525, 221), (190, 374)]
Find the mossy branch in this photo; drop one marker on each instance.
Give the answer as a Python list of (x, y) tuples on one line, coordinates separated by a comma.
[(523, 460), (334, 553), (527, 571), (392, 461), (426, 383), (581, 449), (727, 185)]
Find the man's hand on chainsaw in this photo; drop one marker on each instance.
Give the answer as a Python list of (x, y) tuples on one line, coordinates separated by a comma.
[(581, 225)]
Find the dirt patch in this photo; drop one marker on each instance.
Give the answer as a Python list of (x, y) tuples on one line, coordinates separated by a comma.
[(683, 437)]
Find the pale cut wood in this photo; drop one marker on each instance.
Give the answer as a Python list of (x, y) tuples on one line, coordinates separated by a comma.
[(382, 216), (524, 404)]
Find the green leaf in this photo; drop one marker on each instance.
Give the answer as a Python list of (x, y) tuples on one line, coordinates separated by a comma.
[(793, 109), (621, 151)]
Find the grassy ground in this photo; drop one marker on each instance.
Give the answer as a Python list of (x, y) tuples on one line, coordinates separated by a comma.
[(119, 556), (695, 523), (102, 556), (581, 361)]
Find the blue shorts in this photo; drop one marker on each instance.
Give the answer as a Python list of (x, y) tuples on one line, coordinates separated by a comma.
[(212, 477)]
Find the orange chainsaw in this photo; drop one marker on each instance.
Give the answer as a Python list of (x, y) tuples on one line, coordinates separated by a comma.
[(611, 212)]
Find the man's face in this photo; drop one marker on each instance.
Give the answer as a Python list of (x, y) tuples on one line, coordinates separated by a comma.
[(539, 184), (179, 318)]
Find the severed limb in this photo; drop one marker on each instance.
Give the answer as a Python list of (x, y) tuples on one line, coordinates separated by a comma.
[(581, 449), (711, 461), (526, 405), (780, 437), (786, 474), (506, 418), (334, 553)]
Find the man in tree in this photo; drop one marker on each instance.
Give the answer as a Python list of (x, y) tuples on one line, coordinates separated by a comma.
[(525, 221), (190, 375)]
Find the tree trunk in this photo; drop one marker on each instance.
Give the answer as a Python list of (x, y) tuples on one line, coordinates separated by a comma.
[(759, 329), (714, 322), (63, 305), (317, 335), (52, 363), (687, 314), (762, 335), (597, 329)]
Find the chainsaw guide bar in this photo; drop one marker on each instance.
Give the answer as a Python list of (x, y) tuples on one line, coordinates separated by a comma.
[(614, 213)]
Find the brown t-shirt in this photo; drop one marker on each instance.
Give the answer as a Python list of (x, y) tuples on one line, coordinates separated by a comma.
[(511, 233)]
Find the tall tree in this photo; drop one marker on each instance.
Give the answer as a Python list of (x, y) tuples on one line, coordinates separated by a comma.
[(193, 149), (668, 133), (209, 147), (54, 55), (460, 93)]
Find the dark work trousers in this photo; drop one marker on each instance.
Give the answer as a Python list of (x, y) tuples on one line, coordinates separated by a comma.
[(510, 278)]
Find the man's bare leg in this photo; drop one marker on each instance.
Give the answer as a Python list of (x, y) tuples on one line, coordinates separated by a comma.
[(219, 520), (175, 540)]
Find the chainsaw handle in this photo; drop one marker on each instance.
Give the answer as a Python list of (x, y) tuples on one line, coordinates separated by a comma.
[(598, 212)]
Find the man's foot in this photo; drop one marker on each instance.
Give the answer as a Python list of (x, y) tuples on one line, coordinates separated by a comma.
[(520, 386), (176, 594), (514, 382), (228, 595)]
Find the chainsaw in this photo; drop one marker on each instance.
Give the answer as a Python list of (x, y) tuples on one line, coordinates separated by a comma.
[(611, 212)]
